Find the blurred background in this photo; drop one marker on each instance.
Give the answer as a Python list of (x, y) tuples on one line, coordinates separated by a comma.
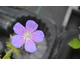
[(60, 25)]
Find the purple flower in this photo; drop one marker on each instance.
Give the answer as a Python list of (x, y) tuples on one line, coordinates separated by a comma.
[(27, 35)]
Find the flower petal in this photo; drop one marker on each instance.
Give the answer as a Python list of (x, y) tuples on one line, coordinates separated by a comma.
[(30, 46), (37, 36), (31, 26), (19, 28), (17, 41)]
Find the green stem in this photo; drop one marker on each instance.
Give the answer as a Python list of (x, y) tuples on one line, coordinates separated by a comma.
[(5, 57), (38, 10)]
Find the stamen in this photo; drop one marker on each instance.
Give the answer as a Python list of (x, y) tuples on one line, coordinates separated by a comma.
[(26, 36)]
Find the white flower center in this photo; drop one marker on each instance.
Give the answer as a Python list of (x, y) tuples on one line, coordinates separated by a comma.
[(26, 36)]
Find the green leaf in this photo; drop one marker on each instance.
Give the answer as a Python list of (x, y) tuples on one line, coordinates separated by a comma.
[(79, 27), (22, 46), (36, 43), (17, 52), (6, 51), (8, 55), (0, 55), (10, 37), (79, 36), (75, 43), (9, 45), (15, 49)]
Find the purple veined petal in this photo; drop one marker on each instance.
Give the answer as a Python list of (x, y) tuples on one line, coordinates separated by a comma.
[(30, 46), (19, 28), (37, 36), (31, 26), (17, 41)]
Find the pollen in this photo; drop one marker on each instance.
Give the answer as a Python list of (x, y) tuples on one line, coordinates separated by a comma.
[(26, 36)]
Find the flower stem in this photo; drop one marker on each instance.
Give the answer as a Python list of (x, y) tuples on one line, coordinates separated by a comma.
[(10, 51)]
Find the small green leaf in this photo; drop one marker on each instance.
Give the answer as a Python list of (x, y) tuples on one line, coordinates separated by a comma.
[(36, 43), (10, 37), (17, 52), (79, 27), (22, 46), (9, 45), (79, 36), (8, 55), (75, 43), (15, 49), (0, 55)]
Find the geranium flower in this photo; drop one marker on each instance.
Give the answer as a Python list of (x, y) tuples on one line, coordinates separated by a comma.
[(27, 35)]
